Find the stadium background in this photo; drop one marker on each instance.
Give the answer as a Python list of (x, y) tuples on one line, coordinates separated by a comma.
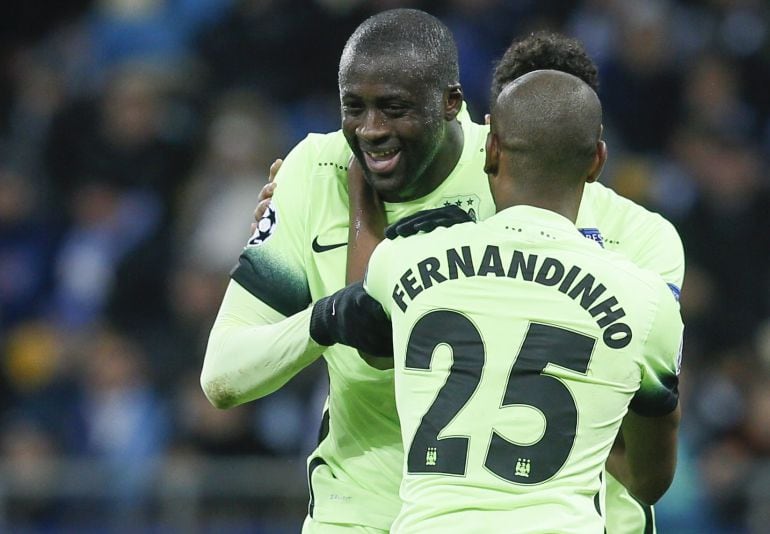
[(134, 138)]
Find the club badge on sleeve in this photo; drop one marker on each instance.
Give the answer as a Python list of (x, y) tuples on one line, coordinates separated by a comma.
[(265, 227)]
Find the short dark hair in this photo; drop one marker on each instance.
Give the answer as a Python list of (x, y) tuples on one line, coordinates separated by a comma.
[(416, 36), (544, 50)]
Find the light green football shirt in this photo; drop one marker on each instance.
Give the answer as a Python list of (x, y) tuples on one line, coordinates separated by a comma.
[(297, 255), (519, 346)]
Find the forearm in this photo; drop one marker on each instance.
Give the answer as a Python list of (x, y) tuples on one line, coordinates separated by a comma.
[(251, 354), (366, 225), (644, 460), (617, 464), (363, 238)]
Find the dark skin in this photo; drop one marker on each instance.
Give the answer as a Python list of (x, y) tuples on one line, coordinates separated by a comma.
[(385, 109), (507, 192), (394, 115)]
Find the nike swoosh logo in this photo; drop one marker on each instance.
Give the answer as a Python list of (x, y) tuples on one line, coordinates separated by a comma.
[(317, 247)]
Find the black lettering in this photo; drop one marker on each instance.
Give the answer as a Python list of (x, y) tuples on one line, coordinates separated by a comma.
[(518, 265), (398, 297), (410, 284), (428, 269), (465, 263), (550, 278), (571, 275), (617, 335), (610, 315), (589, 293), (491, 262)]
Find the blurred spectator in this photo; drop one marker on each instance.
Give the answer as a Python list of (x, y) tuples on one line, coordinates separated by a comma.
[(26, 247), (257, 45), (204, 430), (123, 421), (722, 235), (640, 86), (118, 179), (242, 140), (29, 453)]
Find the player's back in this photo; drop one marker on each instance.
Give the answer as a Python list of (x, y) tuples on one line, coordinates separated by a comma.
[(519, 345)]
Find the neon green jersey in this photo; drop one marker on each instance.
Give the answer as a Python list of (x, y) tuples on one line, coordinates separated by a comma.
[(519, 346), (297, 255)]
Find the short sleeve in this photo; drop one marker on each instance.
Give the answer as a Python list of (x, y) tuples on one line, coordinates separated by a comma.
[(662, 252), (646, 238), (272, 265), (658, 393)]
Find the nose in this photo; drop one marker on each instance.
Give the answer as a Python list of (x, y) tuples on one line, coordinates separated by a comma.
[(373, 127)]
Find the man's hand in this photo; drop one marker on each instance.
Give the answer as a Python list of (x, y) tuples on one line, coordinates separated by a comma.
[(427, 221), (266, 194), (351, 317)]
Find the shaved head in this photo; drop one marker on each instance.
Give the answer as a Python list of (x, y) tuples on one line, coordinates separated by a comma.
[(545, 141), (550, 121), (414, 40)]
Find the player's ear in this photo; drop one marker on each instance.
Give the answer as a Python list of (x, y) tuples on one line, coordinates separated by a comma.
[(492, 156), (453, 101), (598, 162)]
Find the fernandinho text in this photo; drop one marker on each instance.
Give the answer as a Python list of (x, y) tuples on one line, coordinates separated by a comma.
[(580, 286)]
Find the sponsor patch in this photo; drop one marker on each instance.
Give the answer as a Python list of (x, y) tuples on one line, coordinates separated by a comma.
[(265, 227), (675, 290), (593, 233)]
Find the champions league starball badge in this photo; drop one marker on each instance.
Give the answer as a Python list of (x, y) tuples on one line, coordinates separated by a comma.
[(265, 227)]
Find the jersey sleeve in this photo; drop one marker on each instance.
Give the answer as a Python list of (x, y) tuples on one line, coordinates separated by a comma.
[(272, 265), (661, 251), (658, 392), (646, 238), (376, 279), (252, 350)]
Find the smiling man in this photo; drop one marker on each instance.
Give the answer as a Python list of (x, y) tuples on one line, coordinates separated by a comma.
[(402, 117), (399, 105)]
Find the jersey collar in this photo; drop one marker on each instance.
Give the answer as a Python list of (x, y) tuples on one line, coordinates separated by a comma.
[(528, 216)]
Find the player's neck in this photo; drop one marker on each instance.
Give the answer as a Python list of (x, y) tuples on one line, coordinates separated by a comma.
[(564, 203)]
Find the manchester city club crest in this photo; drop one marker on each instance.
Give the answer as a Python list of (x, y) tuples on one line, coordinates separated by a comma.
[(470, 203), (265, 227)]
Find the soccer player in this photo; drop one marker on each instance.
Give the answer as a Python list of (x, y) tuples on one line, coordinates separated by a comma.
[(659, 249), (617, 223), (400, 98), (519, 344)]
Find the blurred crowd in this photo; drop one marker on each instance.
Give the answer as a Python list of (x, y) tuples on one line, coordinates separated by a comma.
[(135, 136)]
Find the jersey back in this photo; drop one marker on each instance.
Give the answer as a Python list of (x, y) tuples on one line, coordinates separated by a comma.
[(297, 255), (519, 346)]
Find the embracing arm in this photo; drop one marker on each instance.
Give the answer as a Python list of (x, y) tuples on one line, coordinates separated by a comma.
[(367, 222), (644, 457), (253, 350), (644, 460)]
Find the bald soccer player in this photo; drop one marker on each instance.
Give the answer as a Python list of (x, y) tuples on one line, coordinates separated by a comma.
[(522, 348)]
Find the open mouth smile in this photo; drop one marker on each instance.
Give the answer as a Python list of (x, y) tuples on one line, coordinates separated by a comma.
[(382, 162)]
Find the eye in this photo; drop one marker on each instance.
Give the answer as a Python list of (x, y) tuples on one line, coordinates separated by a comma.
[(352, 108), (395, 110)]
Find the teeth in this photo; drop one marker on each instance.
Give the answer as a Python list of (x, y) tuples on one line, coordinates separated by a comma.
[(383, 154)]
